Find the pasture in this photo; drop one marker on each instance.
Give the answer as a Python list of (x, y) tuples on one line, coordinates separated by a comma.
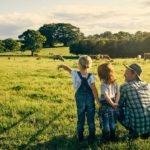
[(37, 106)]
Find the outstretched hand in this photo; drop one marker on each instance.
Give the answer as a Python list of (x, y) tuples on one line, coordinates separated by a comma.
[(65, 68), (60, 66)]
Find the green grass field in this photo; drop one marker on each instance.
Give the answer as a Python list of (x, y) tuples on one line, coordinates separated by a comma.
[(37, 106)]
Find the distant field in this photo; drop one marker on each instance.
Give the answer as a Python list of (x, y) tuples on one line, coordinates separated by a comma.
[(37, 106), (44, 52)]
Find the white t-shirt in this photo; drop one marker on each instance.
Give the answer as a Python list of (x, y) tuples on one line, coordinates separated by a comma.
[(77, 81), (110, 89)]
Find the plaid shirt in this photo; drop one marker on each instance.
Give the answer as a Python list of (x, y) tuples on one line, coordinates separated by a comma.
[(135, 99)]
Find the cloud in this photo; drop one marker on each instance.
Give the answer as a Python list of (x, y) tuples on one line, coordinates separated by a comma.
[(90, 20), (146, 3)]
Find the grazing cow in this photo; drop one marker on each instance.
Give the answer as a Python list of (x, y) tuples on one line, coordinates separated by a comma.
[(36, 55), (58, 57), (94, 57), (98, 57), (51, 53), (38, 58), (146, 56), (106, 57)]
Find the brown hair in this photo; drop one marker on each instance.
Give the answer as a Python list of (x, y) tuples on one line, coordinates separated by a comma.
[(106, 73)]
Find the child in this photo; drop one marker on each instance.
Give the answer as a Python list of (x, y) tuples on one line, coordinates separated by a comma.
[(108, 99), (84, 85)]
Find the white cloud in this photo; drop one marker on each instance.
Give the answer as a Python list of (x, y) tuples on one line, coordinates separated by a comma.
[(91, 20)]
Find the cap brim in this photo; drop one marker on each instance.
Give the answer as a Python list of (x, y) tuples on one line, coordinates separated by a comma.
[(134, 71)]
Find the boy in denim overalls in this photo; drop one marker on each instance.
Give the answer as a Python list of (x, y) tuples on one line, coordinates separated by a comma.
[(86, 92)]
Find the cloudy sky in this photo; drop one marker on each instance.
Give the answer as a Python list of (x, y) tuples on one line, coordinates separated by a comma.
[(91, 16)]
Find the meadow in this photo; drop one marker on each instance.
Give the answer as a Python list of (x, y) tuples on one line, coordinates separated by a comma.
[(37, 105)]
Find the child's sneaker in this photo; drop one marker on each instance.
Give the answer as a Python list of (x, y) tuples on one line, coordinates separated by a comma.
[(80, 137), (112, 135), (91, 139)]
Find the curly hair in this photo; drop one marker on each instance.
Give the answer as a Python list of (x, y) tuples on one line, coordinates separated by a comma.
[(106, 73)]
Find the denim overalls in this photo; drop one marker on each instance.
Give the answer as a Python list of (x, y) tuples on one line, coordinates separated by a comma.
[(85, 105)]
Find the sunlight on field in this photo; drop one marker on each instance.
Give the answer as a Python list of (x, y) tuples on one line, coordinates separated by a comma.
[(38, 108)]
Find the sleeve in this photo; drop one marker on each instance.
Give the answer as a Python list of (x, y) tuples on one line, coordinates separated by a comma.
[(73, 73), (92, 79), (75, 78), (104, 89)]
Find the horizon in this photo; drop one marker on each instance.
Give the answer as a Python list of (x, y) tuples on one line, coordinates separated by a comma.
[(92, 17)]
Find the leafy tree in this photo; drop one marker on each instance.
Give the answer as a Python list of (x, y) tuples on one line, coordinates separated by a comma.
[(11, 45), (2, 46), (60, 33), (106, 34), (48, 31), (32, 40), (66, 33)]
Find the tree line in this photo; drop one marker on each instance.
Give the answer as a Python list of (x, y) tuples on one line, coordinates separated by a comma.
[(46, 36), (121, 44)]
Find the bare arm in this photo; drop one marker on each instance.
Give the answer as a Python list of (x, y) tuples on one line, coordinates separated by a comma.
[(109, 100), (65, 68), (117, 97), (95, 93)]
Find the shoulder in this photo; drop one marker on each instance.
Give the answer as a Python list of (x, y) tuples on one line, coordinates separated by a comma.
[(124, 86), (115, 83), (74, 72), (104, 85), (91, 78)]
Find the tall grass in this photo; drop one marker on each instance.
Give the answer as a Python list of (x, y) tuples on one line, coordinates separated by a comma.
[(37, 106)]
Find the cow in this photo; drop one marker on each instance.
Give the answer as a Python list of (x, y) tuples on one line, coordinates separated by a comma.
[(146, 56), (51, 54), (58, 57), (94, 57), (35, 55), (38, 58), (106, 57)]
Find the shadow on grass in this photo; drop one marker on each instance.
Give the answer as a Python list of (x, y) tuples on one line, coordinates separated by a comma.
[(16, 123), (33, 138), (64, 142)]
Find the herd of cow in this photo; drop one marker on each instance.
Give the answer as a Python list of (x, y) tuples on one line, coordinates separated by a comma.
[(98, 57)]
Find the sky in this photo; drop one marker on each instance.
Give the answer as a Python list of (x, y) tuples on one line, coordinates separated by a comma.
[(91, 16)]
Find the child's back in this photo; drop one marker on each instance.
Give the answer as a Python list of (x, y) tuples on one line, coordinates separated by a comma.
[(85, 93)]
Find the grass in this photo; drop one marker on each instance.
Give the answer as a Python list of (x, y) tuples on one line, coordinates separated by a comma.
[(37, 106)]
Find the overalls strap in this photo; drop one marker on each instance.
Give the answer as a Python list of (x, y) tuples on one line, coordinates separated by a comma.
[(79, 73)]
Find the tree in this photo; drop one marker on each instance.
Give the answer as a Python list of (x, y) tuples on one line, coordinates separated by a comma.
[(48, 31), (11, 45), (2, 46), (66, 33), (106, 34), (60, 33), (32, 40), (146, 44)]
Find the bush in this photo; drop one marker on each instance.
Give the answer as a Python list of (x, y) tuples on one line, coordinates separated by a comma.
[(115, 48)]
